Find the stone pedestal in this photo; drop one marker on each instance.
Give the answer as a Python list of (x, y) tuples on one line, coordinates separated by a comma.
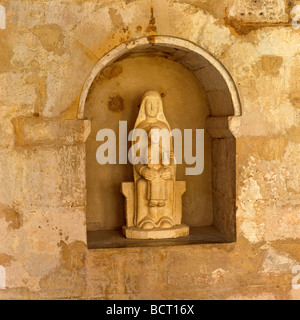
[(130, 231), (156, 233)]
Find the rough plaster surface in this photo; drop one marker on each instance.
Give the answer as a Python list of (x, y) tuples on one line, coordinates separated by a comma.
[(47, 53)]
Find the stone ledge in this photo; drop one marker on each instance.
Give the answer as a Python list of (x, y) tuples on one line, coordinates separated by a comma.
[(36, 131), (218, 127), (103, 239)]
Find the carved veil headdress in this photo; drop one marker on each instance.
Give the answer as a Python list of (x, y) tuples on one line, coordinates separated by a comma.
[(143, 143), (142, 113)]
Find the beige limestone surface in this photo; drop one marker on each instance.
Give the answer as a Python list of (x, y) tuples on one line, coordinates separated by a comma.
[(47, 52)]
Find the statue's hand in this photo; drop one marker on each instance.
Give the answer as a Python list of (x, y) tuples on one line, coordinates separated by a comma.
[(167, 173), (148, 174)]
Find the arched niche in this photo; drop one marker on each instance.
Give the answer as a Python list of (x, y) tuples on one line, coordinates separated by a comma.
[(224, 103), (214, 77)]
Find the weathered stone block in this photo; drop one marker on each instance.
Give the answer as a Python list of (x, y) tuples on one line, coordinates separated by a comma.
[(35, 131), (53, 177), (269, 220), (258, 11)]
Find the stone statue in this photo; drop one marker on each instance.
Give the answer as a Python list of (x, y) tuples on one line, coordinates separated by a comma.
[(153, 200)]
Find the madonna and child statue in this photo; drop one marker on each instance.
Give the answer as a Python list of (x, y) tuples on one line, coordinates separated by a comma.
[(153, 201)]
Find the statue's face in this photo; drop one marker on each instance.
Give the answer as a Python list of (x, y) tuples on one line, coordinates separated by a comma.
[(155, 136), (152, 106)]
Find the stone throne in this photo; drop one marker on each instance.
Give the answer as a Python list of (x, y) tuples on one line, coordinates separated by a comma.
[(153, 206)]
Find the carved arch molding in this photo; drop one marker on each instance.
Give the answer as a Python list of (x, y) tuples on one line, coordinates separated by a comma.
[(214, 77)]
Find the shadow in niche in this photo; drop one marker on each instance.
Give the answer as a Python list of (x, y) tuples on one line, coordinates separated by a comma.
[(115, 239), (221, 227), (224, 209)]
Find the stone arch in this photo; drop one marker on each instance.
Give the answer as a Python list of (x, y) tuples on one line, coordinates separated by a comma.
[(214, 77), (224, 102)]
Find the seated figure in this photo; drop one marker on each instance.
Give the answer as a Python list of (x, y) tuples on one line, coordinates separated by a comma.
[(153, 200)]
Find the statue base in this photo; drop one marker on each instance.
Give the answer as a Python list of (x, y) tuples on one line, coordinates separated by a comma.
[(156, 233)]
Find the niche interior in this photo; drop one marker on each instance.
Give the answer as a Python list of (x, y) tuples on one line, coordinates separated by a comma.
[(198, 93)]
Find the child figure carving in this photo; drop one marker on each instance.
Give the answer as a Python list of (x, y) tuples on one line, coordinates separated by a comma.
[(160, 169)]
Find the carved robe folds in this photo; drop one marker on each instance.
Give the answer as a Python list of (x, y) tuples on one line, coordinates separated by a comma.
[(153, 200)]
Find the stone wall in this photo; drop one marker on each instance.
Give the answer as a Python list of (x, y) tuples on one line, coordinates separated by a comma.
[(47, 51)]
